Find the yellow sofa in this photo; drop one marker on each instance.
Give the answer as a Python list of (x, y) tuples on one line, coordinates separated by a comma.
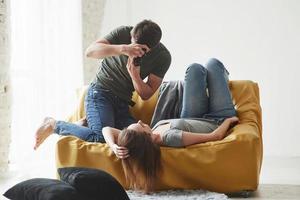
[(230, 165)]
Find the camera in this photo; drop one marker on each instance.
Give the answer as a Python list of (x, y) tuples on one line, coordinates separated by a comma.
[(138, 60)]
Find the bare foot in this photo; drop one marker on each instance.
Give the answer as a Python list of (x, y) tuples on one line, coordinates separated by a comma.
[(45, 129)]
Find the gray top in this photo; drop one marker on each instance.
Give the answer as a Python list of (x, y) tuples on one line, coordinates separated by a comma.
[(173, 136), (169, 102), (113, 74)]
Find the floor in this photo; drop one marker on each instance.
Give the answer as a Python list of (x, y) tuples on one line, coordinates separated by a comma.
[(280, 179), (273, 192)]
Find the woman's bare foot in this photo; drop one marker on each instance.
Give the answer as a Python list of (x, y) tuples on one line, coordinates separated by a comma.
[(45, 129)]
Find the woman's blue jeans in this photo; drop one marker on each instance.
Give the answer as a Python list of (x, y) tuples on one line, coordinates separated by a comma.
[(102, 109), (206, 93)]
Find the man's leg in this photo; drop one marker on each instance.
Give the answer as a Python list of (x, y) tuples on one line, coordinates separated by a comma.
[(123, 116), (220, 102), (99, 111), (82, 132), (50, 126), (195, 100)]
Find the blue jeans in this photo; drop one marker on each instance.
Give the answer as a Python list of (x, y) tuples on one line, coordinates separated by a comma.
[(206, 93), (102, 109)]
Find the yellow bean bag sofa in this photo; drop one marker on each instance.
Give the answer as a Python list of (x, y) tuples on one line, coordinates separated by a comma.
[(230, 165)]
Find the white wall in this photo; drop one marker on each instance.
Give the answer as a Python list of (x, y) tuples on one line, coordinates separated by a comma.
[(255, 39)]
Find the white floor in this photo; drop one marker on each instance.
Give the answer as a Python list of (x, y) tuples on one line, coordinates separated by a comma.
[(280, 170), (275, 170)]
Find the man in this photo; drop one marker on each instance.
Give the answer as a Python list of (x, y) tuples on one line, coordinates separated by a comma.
[(130, 55)]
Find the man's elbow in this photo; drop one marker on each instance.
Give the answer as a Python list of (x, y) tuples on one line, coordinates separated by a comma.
[(93, 51), (93, 54), (88, 52), (146, 97)]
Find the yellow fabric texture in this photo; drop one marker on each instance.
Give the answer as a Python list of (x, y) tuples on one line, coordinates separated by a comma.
[(229, 165)]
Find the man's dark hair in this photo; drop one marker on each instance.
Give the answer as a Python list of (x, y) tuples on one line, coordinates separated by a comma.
[(147, 32)]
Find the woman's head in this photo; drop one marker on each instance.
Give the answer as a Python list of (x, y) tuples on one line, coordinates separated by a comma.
[(143, 164), (140, 127)]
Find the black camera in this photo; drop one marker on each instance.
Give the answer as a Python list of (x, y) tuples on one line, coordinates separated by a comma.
[(138, 60)]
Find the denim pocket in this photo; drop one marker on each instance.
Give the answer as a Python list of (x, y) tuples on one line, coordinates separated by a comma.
[(97, 93)]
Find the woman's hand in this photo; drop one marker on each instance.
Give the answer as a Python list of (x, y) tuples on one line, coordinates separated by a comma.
[(232, 121), (121, 152), (222, 131), (111, 136), (135, 50)]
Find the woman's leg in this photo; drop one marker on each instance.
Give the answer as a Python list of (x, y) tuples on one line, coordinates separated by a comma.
[(220, 102), (195, 100)]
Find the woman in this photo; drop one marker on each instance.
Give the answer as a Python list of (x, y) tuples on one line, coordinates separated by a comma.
[(207, 114)]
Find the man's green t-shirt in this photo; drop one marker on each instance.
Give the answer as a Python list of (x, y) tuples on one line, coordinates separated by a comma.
[(113, 75)]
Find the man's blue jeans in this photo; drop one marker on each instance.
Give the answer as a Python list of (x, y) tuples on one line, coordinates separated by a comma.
[(102, 109), (206, 93)]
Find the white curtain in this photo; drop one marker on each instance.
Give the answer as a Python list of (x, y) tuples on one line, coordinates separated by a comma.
[(46, 70)]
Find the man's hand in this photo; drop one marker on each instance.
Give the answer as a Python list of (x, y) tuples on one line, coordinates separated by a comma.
[(121, 152), (134, 71), (135, 50)]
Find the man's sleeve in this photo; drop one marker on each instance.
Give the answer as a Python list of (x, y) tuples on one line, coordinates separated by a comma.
[(117, 35), (163, 65)]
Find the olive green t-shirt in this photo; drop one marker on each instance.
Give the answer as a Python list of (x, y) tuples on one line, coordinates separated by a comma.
[(113, 75)]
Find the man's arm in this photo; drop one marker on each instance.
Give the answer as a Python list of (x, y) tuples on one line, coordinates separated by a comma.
[(102, 48), (145, 90)]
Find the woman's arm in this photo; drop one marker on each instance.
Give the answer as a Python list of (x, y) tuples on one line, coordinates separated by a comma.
[(111, 137), (189, 138)]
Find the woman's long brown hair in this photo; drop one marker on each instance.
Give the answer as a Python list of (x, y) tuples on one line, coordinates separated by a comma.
[(143, 165)]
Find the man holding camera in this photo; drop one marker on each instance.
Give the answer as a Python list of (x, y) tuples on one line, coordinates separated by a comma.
[(130, 54)]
